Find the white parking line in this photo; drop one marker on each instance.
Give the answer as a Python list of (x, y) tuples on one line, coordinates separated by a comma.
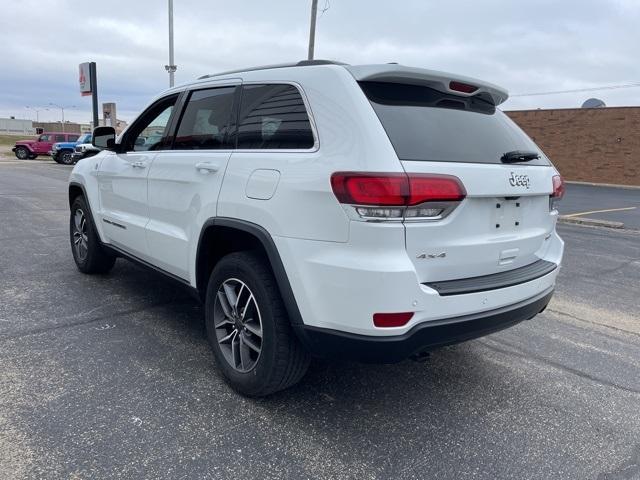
[(600, 211)]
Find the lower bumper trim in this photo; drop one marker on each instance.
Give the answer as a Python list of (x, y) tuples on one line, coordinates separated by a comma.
[(334, 344)]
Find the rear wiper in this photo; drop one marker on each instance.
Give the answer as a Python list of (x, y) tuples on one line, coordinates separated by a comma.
[(519, 156)]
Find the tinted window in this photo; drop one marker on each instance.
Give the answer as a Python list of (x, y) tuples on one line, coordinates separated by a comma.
[(73, 138), (59, 138), (43, 138), (148, 132), (273, 116), (425, 124), (205, 122)]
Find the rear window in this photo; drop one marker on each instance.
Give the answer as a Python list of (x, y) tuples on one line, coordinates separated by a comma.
[(424, 124), (273, 116)]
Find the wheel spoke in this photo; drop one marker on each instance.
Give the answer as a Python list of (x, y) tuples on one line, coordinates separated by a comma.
[(223, 322), (254, 329), (78, 220), (228, 338), (232, 300), (234, 352), (246, 306), (245, 355), (224, 303), (235, 305), (249, 343)]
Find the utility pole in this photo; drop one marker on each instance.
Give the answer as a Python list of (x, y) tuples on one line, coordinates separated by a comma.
[(171, 68), (312, 28), (37, 110), (62, 109)]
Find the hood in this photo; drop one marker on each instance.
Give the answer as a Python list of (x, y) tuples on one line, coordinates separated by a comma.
[(25, 142)]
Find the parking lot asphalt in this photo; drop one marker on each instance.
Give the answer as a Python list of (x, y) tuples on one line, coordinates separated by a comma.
[(111, 377), (615, 204)]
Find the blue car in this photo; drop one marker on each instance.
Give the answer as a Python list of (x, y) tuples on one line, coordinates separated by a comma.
[(62, 152)]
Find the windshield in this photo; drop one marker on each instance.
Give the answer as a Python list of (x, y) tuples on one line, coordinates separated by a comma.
[(86, 138), (424, 124)]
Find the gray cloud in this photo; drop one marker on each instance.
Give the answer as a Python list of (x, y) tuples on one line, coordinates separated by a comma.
[(526, 46)]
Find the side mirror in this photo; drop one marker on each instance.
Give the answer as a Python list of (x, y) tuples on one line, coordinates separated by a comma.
[(104, 138)]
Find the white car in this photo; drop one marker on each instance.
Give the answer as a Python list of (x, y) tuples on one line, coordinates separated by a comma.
[(371, 212)]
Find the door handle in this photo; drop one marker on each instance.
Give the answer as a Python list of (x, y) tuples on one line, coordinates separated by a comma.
[(139, 164), (206, 167)]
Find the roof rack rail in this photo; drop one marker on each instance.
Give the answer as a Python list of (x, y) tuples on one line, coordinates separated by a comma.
[(302, 63)]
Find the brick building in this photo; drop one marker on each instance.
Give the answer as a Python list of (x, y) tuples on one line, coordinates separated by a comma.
[(599, 145)]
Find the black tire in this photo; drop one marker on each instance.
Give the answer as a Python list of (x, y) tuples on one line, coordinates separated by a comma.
[(65, 157), (22, 153), (94, 258), (282, 360), (33, 156)]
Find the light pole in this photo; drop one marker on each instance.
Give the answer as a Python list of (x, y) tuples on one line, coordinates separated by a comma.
[(312, 28), (171, 68), (37, 110), (62, 109)]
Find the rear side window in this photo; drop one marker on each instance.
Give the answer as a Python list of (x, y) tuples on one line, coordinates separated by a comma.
[(206, 120), (424, 124), (273, 116), (73, 138), (59, 138)]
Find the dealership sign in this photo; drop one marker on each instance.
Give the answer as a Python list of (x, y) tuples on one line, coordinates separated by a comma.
[(85, 79)]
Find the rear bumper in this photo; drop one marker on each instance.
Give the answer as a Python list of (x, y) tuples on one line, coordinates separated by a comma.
[(426, 336)]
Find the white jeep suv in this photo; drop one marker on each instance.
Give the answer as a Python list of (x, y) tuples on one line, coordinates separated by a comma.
[(370, 212)]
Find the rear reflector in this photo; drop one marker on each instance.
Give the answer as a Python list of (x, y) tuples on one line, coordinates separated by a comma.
[(395, 189), (462, 87), (558, 187), (386, 320)]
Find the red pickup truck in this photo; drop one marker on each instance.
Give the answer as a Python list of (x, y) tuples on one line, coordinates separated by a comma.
[(42, 145)]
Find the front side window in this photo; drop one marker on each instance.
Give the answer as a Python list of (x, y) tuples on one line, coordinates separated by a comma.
[(43, 138), (206, 120), (149, 131), (273, 117)]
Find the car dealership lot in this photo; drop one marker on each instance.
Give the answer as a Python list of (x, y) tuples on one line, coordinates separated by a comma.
[(112, 377)]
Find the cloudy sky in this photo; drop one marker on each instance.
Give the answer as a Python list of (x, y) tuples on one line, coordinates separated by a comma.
[(527, 46)]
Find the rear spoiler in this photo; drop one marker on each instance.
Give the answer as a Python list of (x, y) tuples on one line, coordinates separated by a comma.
[(441, 81)]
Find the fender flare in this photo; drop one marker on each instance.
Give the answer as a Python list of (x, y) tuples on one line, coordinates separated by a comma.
[(273, 256)]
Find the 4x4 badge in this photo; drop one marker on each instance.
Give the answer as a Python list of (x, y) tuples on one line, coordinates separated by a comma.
[(432, 255)]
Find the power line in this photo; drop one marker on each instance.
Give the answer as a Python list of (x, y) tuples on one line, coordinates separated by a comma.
[(578, 90)]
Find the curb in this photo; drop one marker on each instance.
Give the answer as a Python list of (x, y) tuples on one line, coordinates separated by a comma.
[(611, 185), (590, 222)]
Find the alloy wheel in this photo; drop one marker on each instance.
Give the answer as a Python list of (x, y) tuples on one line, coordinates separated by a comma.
[(80, 237), (238, 325), (22, 153)]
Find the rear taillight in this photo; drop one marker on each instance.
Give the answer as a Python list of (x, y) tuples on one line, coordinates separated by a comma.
[(558, 191), (388, 196), (558, 187)]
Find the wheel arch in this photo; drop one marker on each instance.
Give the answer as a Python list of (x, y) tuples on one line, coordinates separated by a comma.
[(75, 190), (220, 236)]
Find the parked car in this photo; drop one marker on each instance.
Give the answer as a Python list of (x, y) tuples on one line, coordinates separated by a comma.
[(42, 145), (84, 150), (62, 152), (372, 212)]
